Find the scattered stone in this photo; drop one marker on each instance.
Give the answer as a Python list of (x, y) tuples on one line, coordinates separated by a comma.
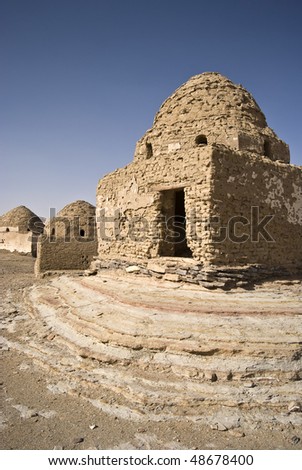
[(181, 272), (133, 269), (249, 385), (47, 414), (243, 284), (90, 272), (141, 430), (156, 275), (235, 433), (51, 337), (78, 440), (171, 277), (25, 412), (295, 439), (59, 388), (156, 268), (219, 427), (93, 426), (223, 421), (294, 407), (195, 268)]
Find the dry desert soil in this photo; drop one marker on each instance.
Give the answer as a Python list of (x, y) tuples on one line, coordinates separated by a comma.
[(121, 361)]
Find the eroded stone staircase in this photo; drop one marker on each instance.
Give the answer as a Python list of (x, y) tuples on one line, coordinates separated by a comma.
[(161, 351)]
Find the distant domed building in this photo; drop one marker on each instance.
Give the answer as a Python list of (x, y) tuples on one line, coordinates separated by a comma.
[(69, 241), (76, 220), (19, 229), (210, 181)]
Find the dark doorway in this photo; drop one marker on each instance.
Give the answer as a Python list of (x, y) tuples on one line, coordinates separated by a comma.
[(173, 213), (267, 149)]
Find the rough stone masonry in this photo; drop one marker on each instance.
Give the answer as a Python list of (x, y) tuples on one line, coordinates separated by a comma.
[(68, 241), (210, 191)]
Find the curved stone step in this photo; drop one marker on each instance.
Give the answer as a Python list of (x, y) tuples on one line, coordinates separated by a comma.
[(122, 333), (148, 361)]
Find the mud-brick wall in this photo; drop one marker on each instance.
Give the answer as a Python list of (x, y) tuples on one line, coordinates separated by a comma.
[(134, 197), (58, 255), (198, 212), (15, 241), (250, 188)]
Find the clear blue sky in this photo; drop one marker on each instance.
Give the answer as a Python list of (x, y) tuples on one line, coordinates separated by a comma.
[(81, 81)]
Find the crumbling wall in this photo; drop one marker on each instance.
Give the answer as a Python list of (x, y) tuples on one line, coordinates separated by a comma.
[(258, 205), (129, 203), (241, 210), (58, 254), (69, 241), (15, 241)]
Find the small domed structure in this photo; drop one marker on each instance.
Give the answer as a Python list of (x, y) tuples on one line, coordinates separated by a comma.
[(19, 229), (22, 218), (76, 219), (69, 242)]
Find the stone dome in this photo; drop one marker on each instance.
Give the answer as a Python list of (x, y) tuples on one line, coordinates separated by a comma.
[(22, 218), (75, 218), (77, 208), (213, 100), (210, 109)]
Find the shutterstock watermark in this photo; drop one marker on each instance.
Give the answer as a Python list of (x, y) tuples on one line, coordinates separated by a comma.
[(240, 229), (176, 229), (116, 226)]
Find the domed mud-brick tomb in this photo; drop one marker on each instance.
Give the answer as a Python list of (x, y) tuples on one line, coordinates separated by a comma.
[(69, 242), (210, 186), (19, 230)]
